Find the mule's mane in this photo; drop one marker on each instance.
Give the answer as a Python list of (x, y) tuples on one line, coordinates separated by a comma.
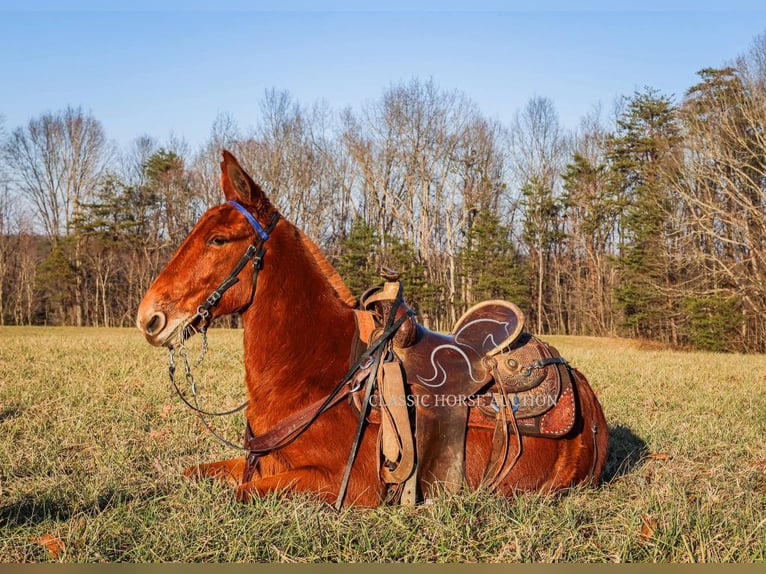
[(336, 281)]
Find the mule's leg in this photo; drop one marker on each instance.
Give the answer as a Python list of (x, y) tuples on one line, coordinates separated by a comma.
[(229, 471), (306, 479)]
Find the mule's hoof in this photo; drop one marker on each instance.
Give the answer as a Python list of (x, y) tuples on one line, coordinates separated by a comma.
[(243, 494), (194, 473), (228, 471)]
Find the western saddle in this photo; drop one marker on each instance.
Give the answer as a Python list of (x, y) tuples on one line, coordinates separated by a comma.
[(431, 387)]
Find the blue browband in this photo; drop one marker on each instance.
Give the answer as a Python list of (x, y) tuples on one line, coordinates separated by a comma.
[(254, 222)]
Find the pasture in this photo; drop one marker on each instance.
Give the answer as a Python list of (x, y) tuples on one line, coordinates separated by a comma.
[(93, 442)]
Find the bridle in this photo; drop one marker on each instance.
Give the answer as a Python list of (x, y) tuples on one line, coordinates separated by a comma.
[(255, 252), (200, 321)]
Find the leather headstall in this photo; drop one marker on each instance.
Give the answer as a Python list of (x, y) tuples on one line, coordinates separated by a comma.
[(255, 252)]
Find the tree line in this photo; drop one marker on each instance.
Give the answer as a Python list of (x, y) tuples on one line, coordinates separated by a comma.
[(649, 221)]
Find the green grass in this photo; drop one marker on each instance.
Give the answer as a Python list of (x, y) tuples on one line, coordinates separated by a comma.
[(93, 443)]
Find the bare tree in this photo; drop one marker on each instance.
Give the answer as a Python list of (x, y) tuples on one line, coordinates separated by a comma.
[(134, 159), (721, 183), (417, 152), (538, 149), (7, 244), (205, 167), (480, 165), (57, 160), (591, 229)]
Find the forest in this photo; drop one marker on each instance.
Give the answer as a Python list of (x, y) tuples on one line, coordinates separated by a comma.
[(648, 220)]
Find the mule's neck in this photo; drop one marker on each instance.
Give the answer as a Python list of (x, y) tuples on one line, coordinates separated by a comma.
[(297, 332)]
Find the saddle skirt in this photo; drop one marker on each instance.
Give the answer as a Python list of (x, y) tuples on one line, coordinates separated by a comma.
[(487, 373)]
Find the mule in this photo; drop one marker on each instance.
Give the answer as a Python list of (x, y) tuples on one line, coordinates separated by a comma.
[(299, 327)]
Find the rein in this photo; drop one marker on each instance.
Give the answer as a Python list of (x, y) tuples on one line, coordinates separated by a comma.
[(183, 352), (294, 425)]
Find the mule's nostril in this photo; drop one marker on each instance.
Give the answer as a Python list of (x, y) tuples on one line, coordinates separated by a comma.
[(155, 324)]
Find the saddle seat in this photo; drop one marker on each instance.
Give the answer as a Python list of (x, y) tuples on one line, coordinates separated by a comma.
[(486, 373)]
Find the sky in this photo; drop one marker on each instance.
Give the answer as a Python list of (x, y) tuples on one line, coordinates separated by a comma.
[(167, 67)]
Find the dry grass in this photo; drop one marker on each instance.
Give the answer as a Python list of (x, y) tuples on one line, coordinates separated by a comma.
[(92, 444)]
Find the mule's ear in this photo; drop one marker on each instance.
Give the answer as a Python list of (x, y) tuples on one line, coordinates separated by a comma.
[(238, 186)]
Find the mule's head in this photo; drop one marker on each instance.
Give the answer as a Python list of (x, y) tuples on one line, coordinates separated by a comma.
[(212, 250)]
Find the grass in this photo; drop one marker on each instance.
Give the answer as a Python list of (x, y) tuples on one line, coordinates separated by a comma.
[(93, 443)]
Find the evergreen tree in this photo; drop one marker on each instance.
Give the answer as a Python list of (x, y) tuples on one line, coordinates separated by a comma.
[(640, 155), (168, 189), (356, 262), (56, 283), (541, 231), (490, 264), (426, 297), (362, 255), (591, 211), (713, 323), (111, 216), (722, 190), (108, 230)]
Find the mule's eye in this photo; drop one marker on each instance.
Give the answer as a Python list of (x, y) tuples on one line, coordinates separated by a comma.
[(217, 241)]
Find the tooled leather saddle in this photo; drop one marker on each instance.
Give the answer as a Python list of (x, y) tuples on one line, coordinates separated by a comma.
[(487, 373)]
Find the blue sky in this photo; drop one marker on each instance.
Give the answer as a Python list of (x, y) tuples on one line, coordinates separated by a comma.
[(161, 67)]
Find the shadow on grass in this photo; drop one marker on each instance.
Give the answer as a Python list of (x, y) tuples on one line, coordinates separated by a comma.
[(627, 450), (35, 510), (10, 413)]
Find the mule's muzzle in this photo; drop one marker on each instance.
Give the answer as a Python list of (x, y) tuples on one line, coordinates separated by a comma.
[(152, 323), (155, 324)]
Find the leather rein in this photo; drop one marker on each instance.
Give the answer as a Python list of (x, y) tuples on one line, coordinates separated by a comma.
[(290, 428)]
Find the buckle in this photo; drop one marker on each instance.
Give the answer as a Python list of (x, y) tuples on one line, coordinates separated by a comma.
[(367, 363), (203, 312), (213, 298), (359, 384)]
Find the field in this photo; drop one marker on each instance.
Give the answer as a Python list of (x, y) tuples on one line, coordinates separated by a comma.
[(93, 443)]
